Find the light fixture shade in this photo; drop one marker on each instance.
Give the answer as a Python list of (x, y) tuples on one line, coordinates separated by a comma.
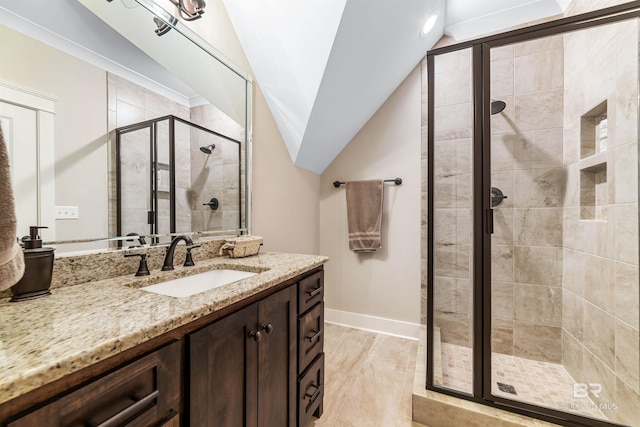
[(198, 4)]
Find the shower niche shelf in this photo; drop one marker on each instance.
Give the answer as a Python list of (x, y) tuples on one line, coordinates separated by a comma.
[(164, 178), (594, 131), (594, 194), (594, 191)]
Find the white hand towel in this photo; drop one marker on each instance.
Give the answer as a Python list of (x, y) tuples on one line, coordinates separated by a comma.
[(11, 257)]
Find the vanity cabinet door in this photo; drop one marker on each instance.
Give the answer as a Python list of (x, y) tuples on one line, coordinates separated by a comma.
[(223, 362), (277, 359), (242, 368), (142, 393)]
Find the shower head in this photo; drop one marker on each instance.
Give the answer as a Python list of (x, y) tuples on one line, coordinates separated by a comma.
[(208, 149), (497, 107)]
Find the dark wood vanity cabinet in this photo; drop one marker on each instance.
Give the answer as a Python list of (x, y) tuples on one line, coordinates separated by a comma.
[(257, 363), (242, 368), (142, 393)]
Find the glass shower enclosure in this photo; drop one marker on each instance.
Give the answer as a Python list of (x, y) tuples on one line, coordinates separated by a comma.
[(174, 176), (533, 220)]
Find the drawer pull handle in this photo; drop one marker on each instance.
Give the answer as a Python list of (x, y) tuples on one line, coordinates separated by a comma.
[(315, 336), (267, 327), (314, 292), (128, 412), (314, 396), (256, 335)]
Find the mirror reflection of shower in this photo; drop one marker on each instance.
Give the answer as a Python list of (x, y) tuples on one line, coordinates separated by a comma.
[(208, 149), (497, 106)]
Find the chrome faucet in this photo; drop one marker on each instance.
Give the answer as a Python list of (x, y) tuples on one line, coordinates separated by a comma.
[(168, 259)]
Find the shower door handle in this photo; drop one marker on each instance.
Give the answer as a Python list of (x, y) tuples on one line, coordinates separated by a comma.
[(489, 217)]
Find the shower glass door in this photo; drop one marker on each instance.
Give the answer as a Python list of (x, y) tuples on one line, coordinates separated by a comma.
[(564, 248), (136, 175), (451, 205)]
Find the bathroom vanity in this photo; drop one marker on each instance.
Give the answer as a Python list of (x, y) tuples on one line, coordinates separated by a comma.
[(107, 353)]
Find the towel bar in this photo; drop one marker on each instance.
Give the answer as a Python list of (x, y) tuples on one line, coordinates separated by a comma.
[(396, 181)]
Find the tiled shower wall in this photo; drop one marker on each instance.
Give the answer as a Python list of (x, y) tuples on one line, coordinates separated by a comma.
[(600, 283), (215, 175), (453, 130), (526, 164)]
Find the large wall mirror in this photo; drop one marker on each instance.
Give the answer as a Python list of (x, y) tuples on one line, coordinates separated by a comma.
[(139, 142)]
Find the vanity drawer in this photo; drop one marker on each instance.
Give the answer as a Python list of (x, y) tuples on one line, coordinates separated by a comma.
[(310, 335), (144, 392), (310, 291), (311, 392)]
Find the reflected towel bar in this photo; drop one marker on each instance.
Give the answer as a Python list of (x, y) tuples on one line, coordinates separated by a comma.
[(396, 181)]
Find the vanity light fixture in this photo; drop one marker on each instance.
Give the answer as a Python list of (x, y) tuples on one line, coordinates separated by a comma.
[(162, 27), (429, 24), (190, 9)]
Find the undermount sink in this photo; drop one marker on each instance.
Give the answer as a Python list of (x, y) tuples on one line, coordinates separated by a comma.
[(191, 285)]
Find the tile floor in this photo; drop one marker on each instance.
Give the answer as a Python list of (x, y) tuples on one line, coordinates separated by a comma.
[(368, 379), (527, 376)]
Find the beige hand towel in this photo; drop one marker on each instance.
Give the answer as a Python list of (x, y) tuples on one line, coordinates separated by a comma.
[(364, 215), (11, 258)]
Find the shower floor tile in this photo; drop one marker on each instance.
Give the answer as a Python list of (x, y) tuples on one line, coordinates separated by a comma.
[(539, 383)]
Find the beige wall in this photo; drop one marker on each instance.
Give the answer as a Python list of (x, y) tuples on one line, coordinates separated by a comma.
[(285, 198), (386, 283), (80, 126)]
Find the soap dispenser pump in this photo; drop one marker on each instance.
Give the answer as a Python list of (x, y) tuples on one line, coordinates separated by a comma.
[(38, 268)]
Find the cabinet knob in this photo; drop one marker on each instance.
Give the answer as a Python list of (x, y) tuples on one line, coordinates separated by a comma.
[(267, 327), (256, 335)]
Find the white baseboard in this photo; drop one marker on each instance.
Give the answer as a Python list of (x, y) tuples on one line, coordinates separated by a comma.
[(375, 324)]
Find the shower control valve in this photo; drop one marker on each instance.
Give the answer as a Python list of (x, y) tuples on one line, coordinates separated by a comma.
[(213, 204)]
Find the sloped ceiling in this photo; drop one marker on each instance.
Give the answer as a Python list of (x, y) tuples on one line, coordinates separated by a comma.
[(326, 67)]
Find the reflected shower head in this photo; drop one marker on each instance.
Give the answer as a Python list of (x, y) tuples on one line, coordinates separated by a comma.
[(497, 107), (208, 149)]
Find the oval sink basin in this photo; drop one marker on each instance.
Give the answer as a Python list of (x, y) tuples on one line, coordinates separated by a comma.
[(191, 285)]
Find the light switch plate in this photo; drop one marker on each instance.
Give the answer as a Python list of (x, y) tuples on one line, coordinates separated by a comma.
[(67, 212)]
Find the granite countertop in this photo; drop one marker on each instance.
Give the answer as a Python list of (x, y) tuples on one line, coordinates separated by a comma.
[(45, 339)]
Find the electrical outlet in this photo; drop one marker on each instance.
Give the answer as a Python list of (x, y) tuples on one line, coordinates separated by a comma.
[(67, 212)]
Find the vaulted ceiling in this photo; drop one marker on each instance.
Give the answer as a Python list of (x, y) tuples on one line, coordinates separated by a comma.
[(325, 67)]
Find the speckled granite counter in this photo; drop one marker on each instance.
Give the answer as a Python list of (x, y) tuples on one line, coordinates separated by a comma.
[(45, 339)]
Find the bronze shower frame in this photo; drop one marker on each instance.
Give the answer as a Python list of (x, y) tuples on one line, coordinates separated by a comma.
[(482, 212)]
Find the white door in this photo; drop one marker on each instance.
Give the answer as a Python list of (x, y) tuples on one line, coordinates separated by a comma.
[(19, 126)]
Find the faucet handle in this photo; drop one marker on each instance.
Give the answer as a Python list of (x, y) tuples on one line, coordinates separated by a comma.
[(143, 270), (188, 261)]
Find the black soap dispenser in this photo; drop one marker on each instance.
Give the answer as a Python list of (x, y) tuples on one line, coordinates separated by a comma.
[(38, 269)]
